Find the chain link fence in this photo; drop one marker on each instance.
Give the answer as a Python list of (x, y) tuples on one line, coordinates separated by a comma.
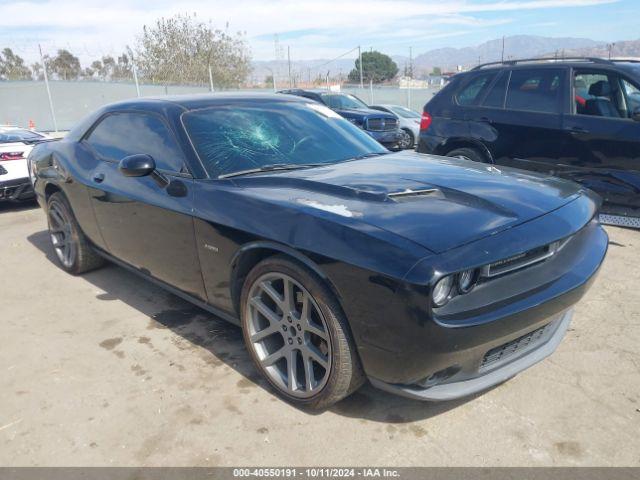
[(27, 102)]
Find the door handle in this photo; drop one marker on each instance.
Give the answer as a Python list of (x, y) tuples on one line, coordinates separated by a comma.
[(485, 119), (576, 130), (98, 178)]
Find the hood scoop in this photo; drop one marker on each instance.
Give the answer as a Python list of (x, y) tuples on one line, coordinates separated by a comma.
[(409, 195)]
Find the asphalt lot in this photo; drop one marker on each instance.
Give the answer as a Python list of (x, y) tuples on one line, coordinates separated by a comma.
[(107, 369)]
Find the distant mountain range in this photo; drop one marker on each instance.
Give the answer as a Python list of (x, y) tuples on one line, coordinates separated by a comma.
[(519, 46)]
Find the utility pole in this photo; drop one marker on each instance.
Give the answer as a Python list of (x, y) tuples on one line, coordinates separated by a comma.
[(502, 49), (46, 82), (360, 65), (611, 45), (289, 62)]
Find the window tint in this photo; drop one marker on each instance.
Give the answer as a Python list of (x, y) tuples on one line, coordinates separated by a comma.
[(123, 134), (241, 137), (633, 96), (536, 90), (496, 95), (472, 92), (602, 94), (343, 101), (18, 135), (404, 112)]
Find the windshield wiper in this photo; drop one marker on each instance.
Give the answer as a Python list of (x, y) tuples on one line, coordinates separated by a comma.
[(272, 167)]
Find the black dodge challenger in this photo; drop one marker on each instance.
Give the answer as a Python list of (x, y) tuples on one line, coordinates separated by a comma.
[(340, 260)]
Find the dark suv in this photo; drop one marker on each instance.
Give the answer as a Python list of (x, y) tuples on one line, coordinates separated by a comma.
[(384, 127), (574, 118)]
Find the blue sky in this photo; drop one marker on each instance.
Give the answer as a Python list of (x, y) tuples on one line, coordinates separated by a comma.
[(314, 29)]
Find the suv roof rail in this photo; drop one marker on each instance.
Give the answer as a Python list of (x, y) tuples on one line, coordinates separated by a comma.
[(626, 59), (548, 59)]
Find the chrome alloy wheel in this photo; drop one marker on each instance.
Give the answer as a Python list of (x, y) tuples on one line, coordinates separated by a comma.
[(289, 335), (60, 230), (405, 141)]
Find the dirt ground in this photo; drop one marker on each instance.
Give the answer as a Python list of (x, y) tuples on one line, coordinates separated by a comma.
[(108, 369)]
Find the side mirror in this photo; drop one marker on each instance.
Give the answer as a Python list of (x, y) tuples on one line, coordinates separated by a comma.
[(635, 115), (139, 165)]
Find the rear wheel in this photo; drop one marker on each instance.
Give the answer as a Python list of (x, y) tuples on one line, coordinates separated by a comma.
[(467, 154), (407, 141), (297, 334), (72, 248)]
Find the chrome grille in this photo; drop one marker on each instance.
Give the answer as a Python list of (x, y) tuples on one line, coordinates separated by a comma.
[(382, 124)]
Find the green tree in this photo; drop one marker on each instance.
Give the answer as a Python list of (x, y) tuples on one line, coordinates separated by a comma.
[(376, 66), (65, 65), (436, 72), (12, 66), (181, 49)]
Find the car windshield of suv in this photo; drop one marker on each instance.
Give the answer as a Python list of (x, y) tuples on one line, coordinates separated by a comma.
[(18, 135), (404, 112), (343, 101), (236, 138)]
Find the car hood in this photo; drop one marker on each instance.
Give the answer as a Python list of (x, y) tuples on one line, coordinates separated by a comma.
[(437, 202), (363, 113)]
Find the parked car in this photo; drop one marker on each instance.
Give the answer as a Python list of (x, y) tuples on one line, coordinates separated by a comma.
[(15, 145), (578, 119), (383, 127), (409, 123), (340, 260)]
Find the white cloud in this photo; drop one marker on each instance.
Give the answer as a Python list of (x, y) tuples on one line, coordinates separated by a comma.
[(93, 26)]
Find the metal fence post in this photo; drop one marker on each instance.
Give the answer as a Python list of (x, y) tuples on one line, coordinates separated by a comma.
[(135, 79), (46, 82), (371, 91)]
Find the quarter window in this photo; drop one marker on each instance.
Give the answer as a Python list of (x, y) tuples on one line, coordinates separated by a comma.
[(123, 134), (536, 90), (472, 93)]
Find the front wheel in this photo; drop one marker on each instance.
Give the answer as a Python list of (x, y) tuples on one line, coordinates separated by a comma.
[(72, 248), (467, 154), (297, 334)]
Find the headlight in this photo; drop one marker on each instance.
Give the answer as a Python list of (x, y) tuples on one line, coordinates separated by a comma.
[(442, 290), (467, 280)]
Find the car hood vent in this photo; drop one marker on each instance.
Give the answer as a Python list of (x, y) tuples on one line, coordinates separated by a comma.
[(409, 195)]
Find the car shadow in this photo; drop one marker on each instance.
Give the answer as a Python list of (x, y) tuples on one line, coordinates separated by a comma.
[(18, 206), (225, 343)]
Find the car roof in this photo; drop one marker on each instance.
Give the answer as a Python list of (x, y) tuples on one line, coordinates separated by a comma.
[(317, 91), (578, 62), (14, 128), (197, 101)]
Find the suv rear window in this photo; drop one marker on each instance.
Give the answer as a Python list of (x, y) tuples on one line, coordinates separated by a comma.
[(536, 90), (474, 90)]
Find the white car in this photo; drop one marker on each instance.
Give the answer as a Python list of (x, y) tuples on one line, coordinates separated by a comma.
[(15, 145), (409, 123)]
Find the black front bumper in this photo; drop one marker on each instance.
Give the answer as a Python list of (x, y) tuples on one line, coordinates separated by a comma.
[(498, 365), (414, 352), (16, 190)]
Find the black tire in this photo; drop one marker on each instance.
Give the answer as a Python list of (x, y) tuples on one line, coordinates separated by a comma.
[(61, 222), (411, 142), (345, 374), (468, 154)]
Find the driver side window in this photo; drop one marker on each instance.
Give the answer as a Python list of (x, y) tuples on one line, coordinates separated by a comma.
[(604, 94), (122, 134)]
